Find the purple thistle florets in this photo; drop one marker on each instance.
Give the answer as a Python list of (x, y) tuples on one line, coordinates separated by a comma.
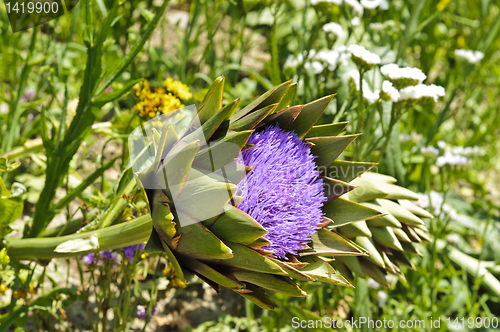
[(283, 192)]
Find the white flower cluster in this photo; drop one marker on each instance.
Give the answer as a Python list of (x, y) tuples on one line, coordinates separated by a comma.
[(373, 4), (415, 137), (469, 56), (362, 57), (449, 158), (371, 96), (469, 150), (329, 57), (336, 2), (356, 7), (436, 203), (334, 29), (389, 92), (402, 77), (422, 92), (316, 67), (356, 21), (429, 151)]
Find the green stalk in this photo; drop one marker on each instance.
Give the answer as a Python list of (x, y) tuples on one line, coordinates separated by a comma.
[(113, 237), (15, 110)]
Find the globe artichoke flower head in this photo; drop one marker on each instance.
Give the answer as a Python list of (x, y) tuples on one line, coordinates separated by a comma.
[(243, 199)]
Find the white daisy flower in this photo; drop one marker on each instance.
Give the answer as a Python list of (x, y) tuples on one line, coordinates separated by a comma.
[(422, 92), (336, 2), (335, 29), (316, 67), (452, 159), (389, 92), (471, 57), (370, 4), (403, 77), (356, 21), (362, 57), (429, 151), (329, 57), (356, 6)]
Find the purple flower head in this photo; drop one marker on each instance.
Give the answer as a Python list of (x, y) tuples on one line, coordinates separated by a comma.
[(283, 192), (141, 312), (110, 255), (28, 95), (88, 258), (129, 251)]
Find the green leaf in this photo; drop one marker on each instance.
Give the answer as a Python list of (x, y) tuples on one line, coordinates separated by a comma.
[(323, 271), (257, 296), (279, 284), (203, 197), (103, 100), (154, 244), (236, 226), (212, 274), (327, 243), (11, 206), (369, 246), (249, 259), (401, 258), (343, 212), (367, 190), (196, 241), (400, 213), (287, 98), (355, 229), (329, 148), (401, 235), (174, 261), (386, 237), (251, 120), (175, 169), (272, 96), (284, 118), (386, 219), (162, 217), (346, 170), (332, 129), (82, 186), (218, 154), (334, 188), (210, 125), (373, 271), (212, 102), (135, 48), (352, 263), (416, 210), (5, 167), (309, 115)]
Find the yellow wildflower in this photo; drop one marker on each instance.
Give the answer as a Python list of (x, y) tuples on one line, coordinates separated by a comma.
[(178, 88), (4, 258), (3, 289), (152, 103), (33, 290)]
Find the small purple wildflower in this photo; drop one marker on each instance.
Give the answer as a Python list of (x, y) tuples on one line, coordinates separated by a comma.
[(283, 192), (88, 258), (129, 251), (142, 312), (110, 255)]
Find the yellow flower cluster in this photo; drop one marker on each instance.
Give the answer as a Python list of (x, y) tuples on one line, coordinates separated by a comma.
[(178, 88), (153, 102)]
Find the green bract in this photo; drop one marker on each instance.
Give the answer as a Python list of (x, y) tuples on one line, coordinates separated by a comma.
[(190, 189)]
